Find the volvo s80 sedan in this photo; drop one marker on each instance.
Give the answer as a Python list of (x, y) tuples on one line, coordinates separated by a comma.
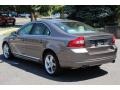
[(60, 43)]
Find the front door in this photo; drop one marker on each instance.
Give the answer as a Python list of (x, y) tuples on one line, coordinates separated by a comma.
[(35, 41), (17, 41)]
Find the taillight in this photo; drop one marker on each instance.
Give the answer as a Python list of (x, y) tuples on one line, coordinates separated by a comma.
[(78, 42), (113, 40)]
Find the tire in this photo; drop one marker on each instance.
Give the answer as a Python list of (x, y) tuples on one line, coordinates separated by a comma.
[(13, 23), (51, 64), (95, 67), (7, 51)]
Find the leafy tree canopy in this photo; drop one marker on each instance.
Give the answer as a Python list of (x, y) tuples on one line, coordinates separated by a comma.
[(93, 15)]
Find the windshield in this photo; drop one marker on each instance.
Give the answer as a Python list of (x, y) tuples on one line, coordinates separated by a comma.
[(75, 27)]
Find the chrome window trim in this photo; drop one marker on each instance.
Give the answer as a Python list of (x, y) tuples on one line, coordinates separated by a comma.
[(32, 27), (46, 26), (24, 27)]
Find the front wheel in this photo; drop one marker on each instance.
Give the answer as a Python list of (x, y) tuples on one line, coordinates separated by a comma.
[(6, 51), (51, 64)]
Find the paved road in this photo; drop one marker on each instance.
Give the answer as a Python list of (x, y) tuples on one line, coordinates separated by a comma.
[(18, 71)]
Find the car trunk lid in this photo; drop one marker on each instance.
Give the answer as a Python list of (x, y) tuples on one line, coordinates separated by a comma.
[(98, 42)]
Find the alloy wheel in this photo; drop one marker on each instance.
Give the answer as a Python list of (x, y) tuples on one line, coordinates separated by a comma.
[(6, 51), (50, 64)]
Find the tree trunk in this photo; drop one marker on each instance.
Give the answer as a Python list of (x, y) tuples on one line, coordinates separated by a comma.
[(33, 16), (62, 14)]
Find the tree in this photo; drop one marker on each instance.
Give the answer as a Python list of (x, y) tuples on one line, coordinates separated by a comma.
[(58, 9), (46, 10), (117, 11), (7, 8), (35, 9), (26, 9), (41, 9), (94, 15)]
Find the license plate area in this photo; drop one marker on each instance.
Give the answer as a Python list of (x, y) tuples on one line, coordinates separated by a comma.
[(99, 43)]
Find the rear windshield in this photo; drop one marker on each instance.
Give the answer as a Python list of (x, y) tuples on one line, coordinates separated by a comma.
[(75, 27)]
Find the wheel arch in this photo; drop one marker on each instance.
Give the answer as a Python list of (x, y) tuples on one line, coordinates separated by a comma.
[(4, 42), (46, 51)]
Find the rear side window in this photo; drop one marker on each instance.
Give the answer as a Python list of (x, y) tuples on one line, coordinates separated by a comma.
[(40, 29)]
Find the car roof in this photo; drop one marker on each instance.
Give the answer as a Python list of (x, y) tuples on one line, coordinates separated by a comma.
[(55, 20)]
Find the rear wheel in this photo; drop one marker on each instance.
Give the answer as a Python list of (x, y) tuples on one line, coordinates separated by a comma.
[(6, 51), (51, 64)]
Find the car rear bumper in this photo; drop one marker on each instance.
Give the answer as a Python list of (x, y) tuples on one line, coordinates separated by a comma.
[(72, 59), (93, 62)]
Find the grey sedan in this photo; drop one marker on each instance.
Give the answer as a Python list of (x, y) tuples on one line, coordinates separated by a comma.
[(59, 43)]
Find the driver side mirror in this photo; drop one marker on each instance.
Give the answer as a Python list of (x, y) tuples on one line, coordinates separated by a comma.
[(14, 33)]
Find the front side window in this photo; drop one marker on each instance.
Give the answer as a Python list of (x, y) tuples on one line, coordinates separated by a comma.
[(25, 30), (40, 29)]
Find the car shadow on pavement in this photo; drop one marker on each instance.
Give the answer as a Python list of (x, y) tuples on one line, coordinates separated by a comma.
[(67, 75)]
